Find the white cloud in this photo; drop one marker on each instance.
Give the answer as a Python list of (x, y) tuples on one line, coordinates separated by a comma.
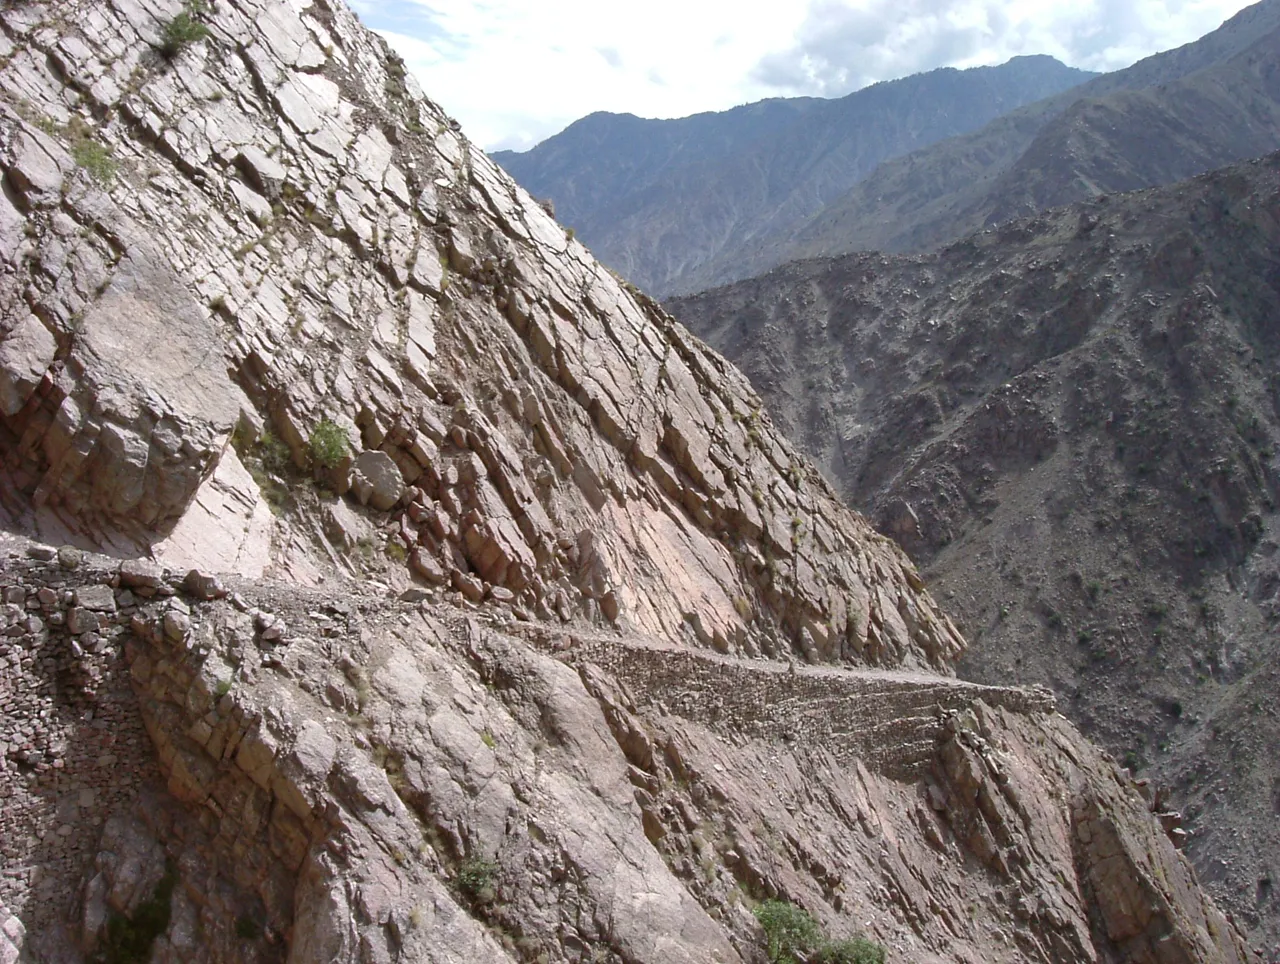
[(514, 71), (846, 44)]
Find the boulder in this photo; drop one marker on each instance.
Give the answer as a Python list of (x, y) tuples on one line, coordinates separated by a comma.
[(12, 937), (203, 585), (26, 353), (141, 574), (376, 480)]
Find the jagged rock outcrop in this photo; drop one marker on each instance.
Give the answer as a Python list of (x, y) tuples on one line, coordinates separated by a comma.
[(486, 549), (358, 778)]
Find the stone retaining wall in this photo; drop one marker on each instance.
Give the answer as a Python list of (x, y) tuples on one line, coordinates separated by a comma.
[(72, 745), (890, 722)]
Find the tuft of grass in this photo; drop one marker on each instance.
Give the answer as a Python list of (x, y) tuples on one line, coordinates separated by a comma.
[(95, 159), (185, 29), (274, 454), (267, 459)]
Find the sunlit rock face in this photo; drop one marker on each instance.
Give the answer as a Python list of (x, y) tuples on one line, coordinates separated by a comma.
[(470, 609)]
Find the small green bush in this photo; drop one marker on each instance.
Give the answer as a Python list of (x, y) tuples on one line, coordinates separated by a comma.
[(793, 934), (329, 444), (858, 950), (184, 29), (788, 929), (129, 939), (475, 879)]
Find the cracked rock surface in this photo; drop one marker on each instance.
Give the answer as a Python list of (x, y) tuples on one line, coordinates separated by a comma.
[(516, 631)]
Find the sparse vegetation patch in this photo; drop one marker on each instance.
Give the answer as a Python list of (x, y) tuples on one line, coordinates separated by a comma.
[(329, 444), (129, 939), (475, 879), (792, 936), (185, 29)]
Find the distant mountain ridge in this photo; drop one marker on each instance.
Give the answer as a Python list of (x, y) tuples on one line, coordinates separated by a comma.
[(659, 199), (1175, 114), (1072, 423)]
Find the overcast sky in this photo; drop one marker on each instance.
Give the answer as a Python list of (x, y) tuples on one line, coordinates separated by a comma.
[(514, 72)]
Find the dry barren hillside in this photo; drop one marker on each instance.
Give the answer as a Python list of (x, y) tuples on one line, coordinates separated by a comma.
[(1072, 423)]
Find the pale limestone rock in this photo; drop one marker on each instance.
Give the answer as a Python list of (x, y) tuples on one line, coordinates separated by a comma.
[(312, 755), (344, 527), (227, 528), (147, 305), (140, 574), (96, 598), (26, 352), (11, 230), (38, 165), (12, 937), (376, 480), (266, 175)]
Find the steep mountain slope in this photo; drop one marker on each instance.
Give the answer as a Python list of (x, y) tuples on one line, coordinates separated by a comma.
[(594, 166), (509, 654), (1072, 423), (656, 200), (1170, 116)]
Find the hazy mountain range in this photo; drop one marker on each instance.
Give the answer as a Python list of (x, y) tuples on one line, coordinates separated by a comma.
[(659, 200), (681, 206)]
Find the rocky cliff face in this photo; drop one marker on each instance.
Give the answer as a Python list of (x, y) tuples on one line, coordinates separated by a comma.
[(510, 654), (1071, 423)]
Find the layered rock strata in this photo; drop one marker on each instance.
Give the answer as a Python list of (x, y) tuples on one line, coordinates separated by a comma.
[(501, 550), (357, 778), (273, 229)]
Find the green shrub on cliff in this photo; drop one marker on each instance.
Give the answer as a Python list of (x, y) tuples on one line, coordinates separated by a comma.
[(329, 444), (792, 935), (788, 929), (184, 29)]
